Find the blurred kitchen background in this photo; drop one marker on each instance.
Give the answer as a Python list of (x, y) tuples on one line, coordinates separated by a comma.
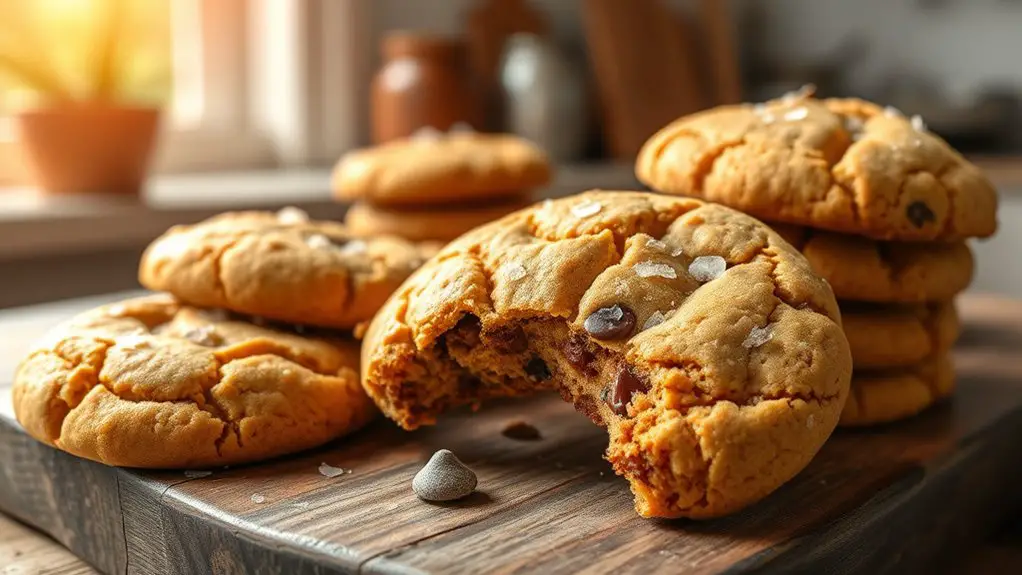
[(178, 109)]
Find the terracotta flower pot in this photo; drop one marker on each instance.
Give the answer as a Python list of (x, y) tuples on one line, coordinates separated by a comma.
[(89, 148)]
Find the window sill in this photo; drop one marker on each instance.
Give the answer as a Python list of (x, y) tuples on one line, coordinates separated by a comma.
[(34, 225)]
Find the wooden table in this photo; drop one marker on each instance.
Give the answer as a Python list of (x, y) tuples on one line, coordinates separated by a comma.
[(884, 500)]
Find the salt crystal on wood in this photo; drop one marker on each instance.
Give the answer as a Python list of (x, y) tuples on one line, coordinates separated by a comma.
[(327, 470), (257, 498)]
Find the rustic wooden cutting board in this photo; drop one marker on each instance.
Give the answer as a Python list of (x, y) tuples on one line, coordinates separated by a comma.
[(892, 499)]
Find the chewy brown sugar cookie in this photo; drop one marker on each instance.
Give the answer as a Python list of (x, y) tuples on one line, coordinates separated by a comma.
[(152, 383), (698, 337), (440, 223), (844, 165), (442, 168), (898, 335), (884, 396), (280, 266), (861, 269)]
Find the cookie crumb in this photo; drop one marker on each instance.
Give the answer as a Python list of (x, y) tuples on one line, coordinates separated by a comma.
[(707, 268), (797, 114), (654, 320), (514, 271), (318, 242), (292, 215), (444, 478), (521, 431), (586, 209), (758, 336), (258, 498), (652, 269), (918, 124), (327, 470), (191, 474)]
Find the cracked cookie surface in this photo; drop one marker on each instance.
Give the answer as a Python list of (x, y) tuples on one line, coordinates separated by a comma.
[(444, 168), (861, 269), (697, 336), (883, 336), (280, 266), (885, 396), (844, 165), (153, 383)]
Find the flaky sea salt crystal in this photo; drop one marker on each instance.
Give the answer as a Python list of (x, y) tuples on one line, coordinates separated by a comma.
[(318, 241), (656, 244), (758, 336), (707, 268), (130, 342), (292, 215), (354, 247), (514, 271), (677, 252), (810, 421), (258, 498), (653, 269), (586, 209), (190, 474), (327, 470), (797, 114), (203, 335), (654, 320), (892, 112), (853, 124), (300, 504), (918, 124)]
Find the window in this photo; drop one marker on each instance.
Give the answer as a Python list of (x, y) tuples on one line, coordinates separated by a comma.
[(256, 83)]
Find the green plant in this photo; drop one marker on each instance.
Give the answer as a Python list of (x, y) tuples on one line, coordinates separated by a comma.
[(62, 51)]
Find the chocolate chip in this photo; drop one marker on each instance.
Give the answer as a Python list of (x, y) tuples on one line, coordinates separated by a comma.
[(920, 214), (512, 340), (626, 385), (537, 369), (576, 351), (521, 431), (614, 322), (466, 332)]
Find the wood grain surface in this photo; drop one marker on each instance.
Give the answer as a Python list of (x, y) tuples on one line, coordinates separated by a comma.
[(892, 499)]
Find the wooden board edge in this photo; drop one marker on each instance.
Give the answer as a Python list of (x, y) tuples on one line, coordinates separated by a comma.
[(893, 544)]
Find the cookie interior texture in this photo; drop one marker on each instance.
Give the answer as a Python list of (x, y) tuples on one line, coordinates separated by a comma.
[(885, 396), (279, 266), (714, 392), (840, 164), (155, 384)]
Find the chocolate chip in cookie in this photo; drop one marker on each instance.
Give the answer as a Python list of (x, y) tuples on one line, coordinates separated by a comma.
[(920, 214), (613, 322)]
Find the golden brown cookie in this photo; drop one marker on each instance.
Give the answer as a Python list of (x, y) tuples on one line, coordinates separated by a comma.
[(883, 396), (694, 333), (280, 266), (844, 165), (446, 168), (152, 383), (441, 223), (867, 270), (883, 336)]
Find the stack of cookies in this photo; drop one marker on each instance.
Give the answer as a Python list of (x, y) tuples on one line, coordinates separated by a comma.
[(879, 206), (437, 186), (248, 355)]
